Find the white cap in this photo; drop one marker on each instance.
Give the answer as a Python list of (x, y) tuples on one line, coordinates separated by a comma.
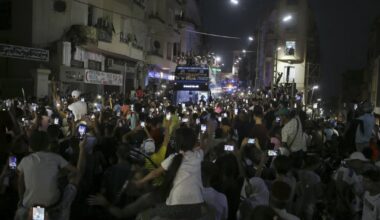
[(357, 156), (75, 94)]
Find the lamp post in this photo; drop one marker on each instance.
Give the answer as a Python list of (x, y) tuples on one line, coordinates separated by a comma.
[(234, 2), (312, 92)]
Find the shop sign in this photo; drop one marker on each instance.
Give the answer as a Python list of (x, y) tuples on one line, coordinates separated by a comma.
[(103, 78), (25, 53), (69, 74)]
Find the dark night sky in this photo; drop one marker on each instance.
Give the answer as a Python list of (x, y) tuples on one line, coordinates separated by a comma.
[(343, 27)]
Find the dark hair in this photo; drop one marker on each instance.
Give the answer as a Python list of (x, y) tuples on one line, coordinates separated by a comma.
[(185, 140), (282, 164), (262, 212), (280, 194), (258, 111), (209, 173), (39, 141), (123, 152)]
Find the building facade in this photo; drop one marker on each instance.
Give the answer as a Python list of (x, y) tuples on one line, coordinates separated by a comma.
[(96, 45), (287, 47), (373, 75)]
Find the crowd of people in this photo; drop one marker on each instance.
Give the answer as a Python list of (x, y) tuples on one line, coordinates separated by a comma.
[(251, 155)]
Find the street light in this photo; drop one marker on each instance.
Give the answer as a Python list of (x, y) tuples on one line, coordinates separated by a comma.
[(218, 59), (315, 87), (250, 38), (244, 51), (287, 18), (234, 2)]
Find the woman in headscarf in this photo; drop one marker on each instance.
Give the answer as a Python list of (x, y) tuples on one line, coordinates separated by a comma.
[(253, 193)]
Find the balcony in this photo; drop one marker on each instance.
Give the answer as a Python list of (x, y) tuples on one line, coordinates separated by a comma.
[(82, 35), (183, 19), (156, 16), (104, 35), (155, 53)]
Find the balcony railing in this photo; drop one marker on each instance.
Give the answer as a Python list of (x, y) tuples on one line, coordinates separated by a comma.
[(186, 19), (155, 53)]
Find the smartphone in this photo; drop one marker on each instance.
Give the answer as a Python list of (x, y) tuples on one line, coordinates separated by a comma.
[(228, 147), (82, 130), (143, 124), (56, 121), (183, 106), (82, 99), (272, 153), (143, 110), (185, 120), (203, 128), (12, 162), (224, 115), (251, 141), (38, 213), (236, 111), (168, 116), (355, 106), (197, 121), (93, 116), (278, 119)]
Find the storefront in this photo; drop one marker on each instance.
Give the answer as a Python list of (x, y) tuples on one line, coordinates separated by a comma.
[(89, 81)]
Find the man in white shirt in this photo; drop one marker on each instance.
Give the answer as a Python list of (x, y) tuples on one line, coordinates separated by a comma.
[(213, 198), (78, 108), (371, 199), (292, 133)]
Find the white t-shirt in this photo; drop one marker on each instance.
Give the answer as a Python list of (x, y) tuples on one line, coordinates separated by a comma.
[(285, 215), (218, 201), (187, 185), (371, 207), (290, 132), (40, 175), (79, 109)]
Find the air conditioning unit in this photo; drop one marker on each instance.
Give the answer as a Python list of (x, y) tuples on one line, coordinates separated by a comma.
[(109, 62)]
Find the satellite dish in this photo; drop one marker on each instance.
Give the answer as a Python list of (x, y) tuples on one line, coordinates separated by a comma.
[(60, 6)]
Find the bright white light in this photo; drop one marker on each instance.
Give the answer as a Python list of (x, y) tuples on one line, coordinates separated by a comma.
[(244, 51), (250, 38), (287, 18), (319, 100), (218, 59), (234, 2), (279, 48), (315, 87), (239, 58)]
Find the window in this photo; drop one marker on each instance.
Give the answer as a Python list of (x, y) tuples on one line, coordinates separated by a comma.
[(94, 65), (90, 17), (176, 51), (169, 50), (290, 48), (289, 74), (77, 63)]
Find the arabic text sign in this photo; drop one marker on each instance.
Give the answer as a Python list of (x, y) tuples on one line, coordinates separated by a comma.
[(103, 78), (25, 53)]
